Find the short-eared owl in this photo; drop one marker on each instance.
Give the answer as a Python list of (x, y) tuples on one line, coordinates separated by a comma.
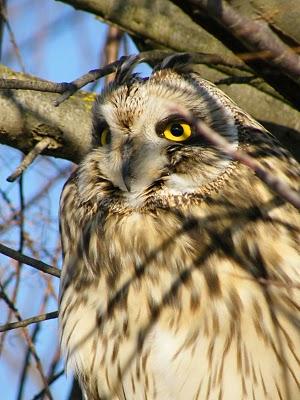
[(181, 275)]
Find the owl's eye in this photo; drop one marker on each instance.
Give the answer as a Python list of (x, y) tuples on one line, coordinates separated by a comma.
[(177, 131), (105, 136)]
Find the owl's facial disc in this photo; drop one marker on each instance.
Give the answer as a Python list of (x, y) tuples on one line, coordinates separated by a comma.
[(142, 145), (129, 158)]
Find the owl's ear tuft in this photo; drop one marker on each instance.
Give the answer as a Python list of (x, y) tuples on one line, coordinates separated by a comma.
[(177, 61), (124, 71)]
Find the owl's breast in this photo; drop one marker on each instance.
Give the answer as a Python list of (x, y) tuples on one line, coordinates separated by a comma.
[(171, 315)]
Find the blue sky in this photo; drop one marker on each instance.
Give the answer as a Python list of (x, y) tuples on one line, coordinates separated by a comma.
[(59, 44)]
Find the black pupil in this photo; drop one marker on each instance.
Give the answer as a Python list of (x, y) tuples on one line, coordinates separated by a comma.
[(176, 130)]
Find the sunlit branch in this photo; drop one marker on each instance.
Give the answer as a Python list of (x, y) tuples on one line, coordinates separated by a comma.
[(256, 35)]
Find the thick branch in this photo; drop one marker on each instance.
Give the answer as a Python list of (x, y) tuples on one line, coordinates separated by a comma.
[(277, 13), (159, 21), (28, 116), (256, 35)]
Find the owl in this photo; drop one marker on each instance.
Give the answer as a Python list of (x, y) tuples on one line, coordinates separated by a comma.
[(181, 271)]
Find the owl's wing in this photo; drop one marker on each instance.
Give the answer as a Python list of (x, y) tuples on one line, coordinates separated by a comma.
[(70, 221)]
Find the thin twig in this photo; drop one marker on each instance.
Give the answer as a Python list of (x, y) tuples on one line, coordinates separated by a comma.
[(55, 26), (111, 48), (277, 185), (12, 36), (50, 381), (26, 363), (2, 21), (28, 321), (8, 202), (33, 262), (30, 157), (27, 338), (20, 250), (91, 76), (32, 201), (54, 363)]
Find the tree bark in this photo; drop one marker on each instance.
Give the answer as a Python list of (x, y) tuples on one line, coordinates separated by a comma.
[(29, 116)]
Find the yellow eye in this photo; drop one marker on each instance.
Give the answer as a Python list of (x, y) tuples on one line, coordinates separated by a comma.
[(105, 136), (178, 131)]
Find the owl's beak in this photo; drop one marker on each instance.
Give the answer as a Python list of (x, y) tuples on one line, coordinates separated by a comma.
[(126, 170), (126, 175)]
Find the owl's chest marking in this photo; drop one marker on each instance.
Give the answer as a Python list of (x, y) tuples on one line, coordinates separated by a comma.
[(162, 328)]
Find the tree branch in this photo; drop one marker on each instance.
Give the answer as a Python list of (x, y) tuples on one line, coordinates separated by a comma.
[(277, 13), (31, 156), (28, 321), (50, 381), (152, 56), (37, 264), (256, 35), (38, 85), (29, 116)]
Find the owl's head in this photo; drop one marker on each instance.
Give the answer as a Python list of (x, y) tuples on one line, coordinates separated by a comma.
[(141, 141)]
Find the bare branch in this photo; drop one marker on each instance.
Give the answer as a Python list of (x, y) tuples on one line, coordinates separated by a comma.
[(31, 156), (50, 381), (37, 85), (37, 264), (28, 321), (151, 56), (12, 36), (28, 340), (68, 89)]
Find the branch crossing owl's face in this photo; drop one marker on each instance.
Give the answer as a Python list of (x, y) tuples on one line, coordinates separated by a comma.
[(142, 142)]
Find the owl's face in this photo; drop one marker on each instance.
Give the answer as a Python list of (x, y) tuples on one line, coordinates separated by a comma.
[(143, 144)]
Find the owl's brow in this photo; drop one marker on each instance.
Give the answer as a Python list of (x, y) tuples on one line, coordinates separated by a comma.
[(160, 125)]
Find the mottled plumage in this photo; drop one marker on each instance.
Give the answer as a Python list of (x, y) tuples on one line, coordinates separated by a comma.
[(181, 268)]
